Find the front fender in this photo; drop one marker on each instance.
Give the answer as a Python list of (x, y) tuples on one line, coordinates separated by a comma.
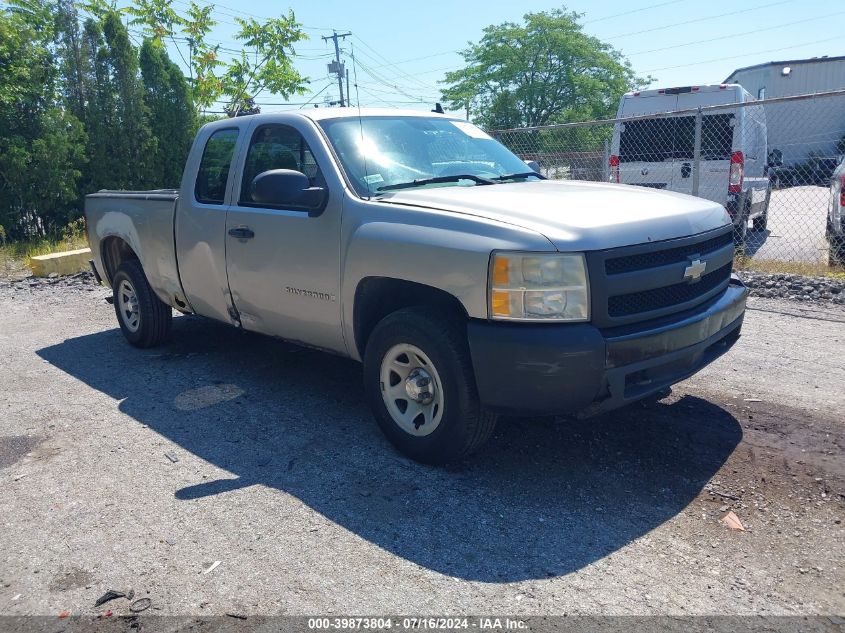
[(451, 257)]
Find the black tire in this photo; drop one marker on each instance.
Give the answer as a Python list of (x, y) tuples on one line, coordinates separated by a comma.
[(836, 250), (761, 222), (154, 317), (464, 425), (741, 229)]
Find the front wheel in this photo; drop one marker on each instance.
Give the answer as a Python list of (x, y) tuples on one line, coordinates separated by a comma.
[(421, 388), (144, 319)]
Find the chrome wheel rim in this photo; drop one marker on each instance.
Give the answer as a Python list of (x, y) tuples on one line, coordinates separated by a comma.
[(127, 304), (411, 389)]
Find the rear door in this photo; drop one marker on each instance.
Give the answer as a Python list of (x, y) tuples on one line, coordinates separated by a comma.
[(201, 221), (645, 146), (719, 129)]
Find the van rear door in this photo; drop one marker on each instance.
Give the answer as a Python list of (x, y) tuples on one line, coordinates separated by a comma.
[(645, 146), (718, 129)]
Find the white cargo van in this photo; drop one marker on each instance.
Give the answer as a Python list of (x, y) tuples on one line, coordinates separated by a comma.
[(658, 152)]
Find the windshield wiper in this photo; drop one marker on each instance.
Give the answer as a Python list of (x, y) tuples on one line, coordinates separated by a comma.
[(430, 181), (524, 174)]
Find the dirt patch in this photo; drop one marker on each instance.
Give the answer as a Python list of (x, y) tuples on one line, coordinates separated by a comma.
[(13, 447), (71, 578)]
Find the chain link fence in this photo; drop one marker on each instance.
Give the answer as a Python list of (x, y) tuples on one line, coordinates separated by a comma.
[(773, 164)]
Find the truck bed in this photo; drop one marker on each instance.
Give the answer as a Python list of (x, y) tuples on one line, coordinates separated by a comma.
[(145, 221)]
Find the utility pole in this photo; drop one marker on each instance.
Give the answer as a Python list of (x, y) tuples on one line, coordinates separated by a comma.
[(336, 67)]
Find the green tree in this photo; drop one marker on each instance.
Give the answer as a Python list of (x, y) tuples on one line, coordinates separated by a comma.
[(74, 58), (131, 138), (172, 115), (41, 143), (545, 70), (100, 111), (121, 145), (271, 67), (266, 66)]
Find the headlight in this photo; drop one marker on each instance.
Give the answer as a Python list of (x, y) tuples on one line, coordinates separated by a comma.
[(539, 287)]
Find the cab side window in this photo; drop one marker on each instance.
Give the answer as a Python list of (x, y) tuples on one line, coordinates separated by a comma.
[(214, 168), (278, 147)]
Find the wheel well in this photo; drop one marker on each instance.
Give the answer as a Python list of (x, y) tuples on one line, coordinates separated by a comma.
[(115, 251), (376, 297)]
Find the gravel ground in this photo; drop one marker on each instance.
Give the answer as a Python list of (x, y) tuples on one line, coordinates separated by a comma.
[(139, 470), (794, 287)]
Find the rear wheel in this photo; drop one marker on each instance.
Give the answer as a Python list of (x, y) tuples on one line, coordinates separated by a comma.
[(741, 228), (762, 221), (421, 388), (144, 319), (836, 250)]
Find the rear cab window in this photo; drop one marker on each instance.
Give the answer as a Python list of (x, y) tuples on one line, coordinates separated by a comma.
[(213, 174)]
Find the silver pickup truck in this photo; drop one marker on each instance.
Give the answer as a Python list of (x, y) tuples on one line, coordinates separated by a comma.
[(466, 283)]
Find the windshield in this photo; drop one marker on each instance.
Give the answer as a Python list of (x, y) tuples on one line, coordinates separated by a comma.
[(379, 153)]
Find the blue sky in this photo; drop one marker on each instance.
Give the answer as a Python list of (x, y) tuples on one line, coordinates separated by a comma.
[(404, 48)]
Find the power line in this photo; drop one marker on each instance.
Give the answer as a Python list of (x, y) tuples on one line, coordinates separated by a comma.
[(388, 62), (384, 81), (315, 95), (696, 20), (417, 59), (771, 50), (421, 84), (727, 37), (619, 15), (381, 89)]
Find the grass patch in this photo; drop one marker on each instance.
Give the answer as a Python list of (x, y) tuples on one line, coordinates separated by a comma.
[(15, 256), (807, 269)]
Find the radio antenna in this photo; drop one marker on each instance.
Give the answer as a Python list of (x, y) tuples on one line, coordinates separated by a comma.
[(360, 120)]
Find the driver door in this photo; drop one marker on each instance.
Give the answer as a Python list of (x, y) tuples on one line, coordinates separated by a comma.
[(283, 263)]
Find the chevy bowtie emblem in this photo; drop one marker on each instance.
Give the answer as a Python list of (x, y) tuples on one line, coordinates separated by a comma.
[(694, 271)]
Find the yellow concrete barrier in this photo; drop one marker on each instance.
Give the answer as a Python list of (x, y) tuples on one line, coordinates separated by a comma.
[(66, 263)]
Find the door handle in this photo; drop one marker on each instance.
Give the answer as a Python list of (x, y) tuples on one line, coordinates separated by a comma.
[(242, 233)]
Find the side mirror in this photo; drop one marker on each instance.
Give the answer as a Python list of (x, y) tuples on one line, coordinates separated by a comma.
[(287, 188), (534, 165)]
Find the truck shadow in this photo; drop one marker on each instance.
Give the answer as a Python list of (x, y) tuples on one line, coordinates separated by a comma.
[(544, 498)]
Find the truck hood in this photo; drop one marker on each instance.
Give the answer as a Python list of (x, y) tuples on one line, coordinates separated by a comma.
[(576, 215)]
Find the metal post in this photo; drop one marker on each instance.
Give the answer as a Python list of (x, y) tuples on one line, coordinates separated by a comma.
[(605, 170), (696, 154)]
